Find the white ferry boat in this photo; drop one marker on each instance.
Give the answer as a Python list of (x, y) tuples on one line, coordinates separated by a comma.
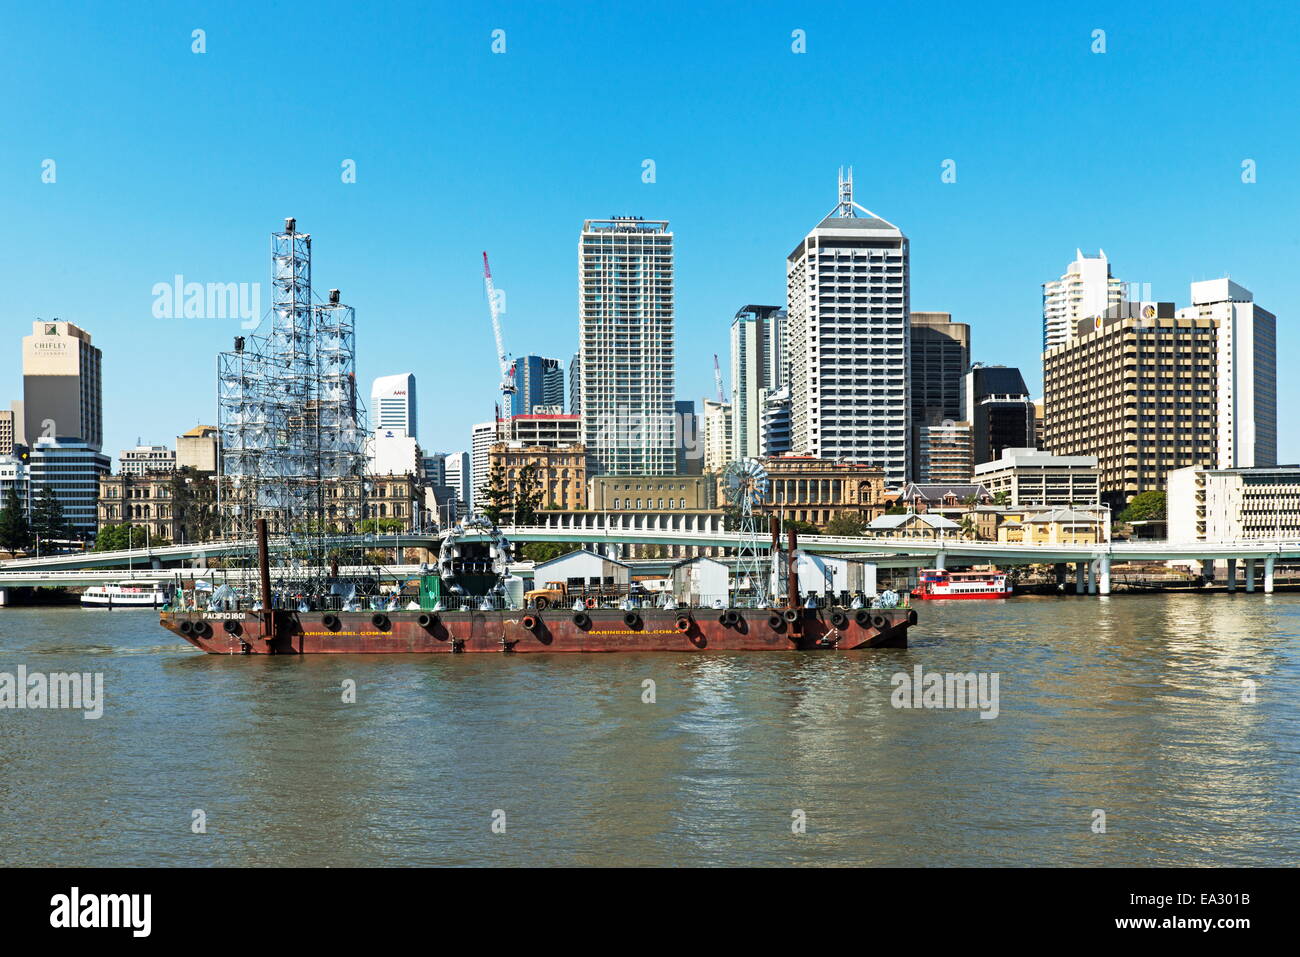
[(126, 594), (938, 583)]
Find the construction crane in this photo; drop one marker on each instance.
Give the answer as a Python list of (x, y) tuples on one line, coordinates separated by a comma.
[(503, 360), (717, 376)]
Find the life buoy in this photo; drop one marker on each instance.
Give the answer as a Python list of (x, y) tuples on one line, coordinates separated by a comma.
[(683, 623), (590, 603)]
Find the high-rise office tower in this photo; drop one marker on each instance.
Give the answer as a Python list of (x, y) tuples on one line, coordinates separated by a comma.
[(999, 410), (539, 383), (458, 472), (71, 469), (751, 374), (62, 395), (1247, 372), (847, 289), (627, 348), (1086, 291), (941, 436), (778, 330), (1136, 389), (392, 404)]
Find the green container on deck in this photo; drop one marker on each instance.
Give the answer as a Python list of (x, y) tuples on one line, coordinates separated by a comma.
[(430, 591)]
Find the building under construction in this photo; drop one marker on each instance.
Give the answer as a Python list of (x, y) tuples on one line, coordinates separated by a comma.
[(292, 430)]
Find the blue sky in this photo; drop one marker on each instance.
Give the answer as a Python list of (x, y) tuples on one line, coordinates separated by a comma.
[(173, 162)]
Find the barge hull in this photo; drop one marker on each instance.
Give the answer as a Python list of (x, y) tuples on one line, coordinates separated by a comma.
[(522, 632)]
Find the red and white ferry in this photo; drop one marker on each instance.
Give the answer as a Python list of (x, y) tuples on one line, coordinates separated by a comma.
[(938, 583)]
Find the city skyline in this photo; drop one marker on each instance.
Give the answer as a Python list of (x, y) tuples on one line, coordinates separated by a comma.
[(1179, 215)]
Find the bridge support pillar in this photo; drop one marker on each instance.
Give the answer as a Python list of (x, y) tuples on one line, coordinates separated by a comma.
[(1092, 577), (939, 559), (1250, 574), (4, 597), (1103, 567), (1232, 574), (1060, 569), (1078, 578), (1268, 576)]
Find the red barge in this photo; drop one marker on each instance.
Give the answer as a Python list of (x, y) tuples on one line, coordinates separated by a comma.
[(279, 631), (599, 630)]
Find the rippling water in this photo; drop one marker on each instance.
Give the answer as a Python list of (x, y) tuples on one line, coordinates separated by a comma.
[(1131, 705)]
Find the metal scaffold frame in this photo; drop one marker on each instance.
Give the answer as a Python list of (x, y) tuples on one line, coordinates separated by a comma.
[(292, 429)]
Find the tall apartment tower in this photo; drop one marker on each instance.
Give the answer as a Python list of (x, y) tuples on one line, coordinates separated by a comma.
[(1086, 291), (482, 438), (62, 395), (1137, 389), (626, 345), (392, 404), (941, 434), (538, 382), (847, 294), (752, 368), (1247, 372), (719, 445)]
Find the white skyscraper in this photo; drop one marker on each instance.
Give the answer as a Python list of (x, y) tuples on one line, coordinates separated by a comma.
[(392, 404), (482, 436), (719, 448), (847, 287), (1246, 351), (626, 347), (1086, 290), (751, 374), (458, 473)]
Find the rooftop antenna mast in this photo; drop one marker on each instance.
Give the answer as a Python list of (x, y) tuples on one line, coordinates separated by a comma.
[(845, 208), (503, 359)]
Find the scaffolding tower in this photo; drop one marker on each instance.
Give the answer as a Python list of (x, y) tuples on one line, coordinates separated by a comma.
[(291, 427)]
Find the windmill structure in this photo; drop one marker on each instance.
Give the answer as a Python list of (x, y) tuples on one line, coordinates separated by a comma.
[(744, 483)]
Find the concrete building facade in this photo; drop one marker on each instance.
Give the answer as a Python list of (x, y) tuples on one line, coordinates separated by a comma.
[(1032, 477), (627, 349), (1085, 291), (847, 297)]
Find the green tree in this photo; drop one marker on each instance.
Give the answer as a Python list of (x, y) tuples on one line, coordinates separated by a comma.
[(47, 516), (15, 533), (1002, 498), (193, 513), (495, 494), (528, 495), (381, 525), (542, 551), (112, 538), (1145, 507), (846, 525)]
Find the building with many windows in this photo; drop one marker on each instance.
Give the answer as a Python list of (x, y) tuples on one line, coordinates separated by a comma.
[(146, 458), (175, 506), (627, 350), (547, 428), (943, 453), (719, 447), (1246, 377), (754, 337), (999, 410), (62, 388), (653, 493), (847, 296), (1031, 477), (1136, 389), (539, 386), (818, 490), (392, 404), (71, 469), (1223, 505), (1086, 291), (560, 472)]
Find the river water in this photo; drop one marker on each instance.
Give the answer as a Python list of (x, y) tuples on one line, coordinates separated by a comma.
[(1129, 705)]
